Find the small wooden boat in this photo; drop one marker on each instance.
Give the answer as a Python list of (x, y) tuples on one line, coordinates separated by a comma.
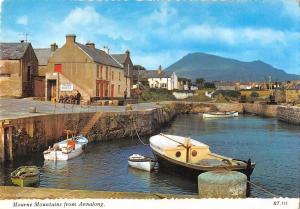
[(25, 176), (220, 114), (67, 149), (141, 162), (189, 157)]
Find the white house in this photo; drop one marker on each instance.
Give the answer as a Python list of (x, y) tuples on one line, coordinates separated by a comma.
[(161, 79)]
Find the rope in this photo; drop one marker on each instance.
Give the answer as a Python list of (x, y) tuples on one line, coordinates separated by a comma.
[(134, 126), (263, 189), (140, 138)]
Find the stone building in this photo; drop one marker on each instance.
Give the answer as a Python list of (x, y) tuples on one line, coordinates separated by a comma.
[(43, 54), (18, 68), (126, 62), (84, 68)]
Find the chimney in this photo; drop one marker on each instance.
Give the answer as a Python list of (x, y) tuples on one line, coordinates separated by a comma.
[(91, 45), (159, 70), (70, 38), (127, 53), (53, 47), (106, 49)]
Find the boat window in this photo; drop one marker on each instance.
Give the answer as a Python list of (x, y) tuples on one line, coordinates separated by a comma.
[(194, 153), (178, 154)]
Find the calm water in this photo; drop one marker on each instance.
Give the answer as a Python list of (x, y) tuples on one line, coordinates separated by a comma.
[(273, 145)]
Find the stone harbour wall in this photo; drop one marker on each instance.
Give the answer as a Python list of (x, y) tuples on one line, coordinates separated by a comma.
[(289, 114), (203, 107), (261, 109), (19, 137)]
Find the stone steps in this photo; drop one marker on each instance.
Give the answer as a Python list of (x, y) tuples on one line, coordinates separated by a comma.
[(90, 124)]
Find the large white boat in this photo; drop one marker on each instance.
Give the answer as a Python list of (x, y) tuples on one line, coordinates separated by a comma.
[(67, 149), (220, 114), (189, 157), (141, 162)]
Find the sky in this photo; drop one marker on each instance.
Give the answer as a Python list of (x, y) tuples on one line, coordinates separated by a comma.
[(161, 32)]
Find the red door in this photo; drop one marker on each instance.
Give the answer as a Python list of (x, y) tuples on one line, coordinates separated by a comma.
[(112, 91), (101, 90)]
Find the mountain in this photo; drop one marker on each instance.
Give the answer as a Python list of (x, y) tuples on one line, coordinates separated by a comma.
[(212, 67)]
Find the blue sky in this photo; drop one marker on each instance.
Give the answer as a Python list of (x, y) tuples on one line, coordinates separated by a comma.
[(161, 32)]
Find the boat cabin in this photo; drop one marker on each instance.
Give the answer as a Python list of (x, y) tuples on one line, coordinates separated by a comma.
[(182, 149)]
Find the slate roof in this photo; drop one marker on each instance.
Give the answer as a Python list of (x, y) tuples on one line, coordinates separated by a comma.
[(99, 56), (155, 74), (43, 55), (13, 51), (121, 58)]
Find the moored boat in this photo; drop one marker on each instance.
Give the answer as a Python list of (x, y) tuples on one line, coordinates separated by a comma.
[(189, 157), (141, 162), (66, 149), (221, 114), (25, 176)]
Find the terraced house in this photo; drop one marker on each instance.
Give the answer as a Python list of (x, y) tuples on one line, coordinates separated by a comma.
[(18, 68), (84, 68)]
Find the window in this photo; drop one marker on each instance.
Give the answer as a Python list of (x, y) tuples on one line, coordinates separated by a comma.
[(57, 68), (119, 89), (112, 75), (98, 76), (101, 66), (119, 76), (28, 74), (106, 73)]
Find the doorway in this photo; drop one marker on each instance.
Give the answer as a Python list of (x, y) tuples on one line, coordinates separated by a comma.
[(51, 89), (112, 91)]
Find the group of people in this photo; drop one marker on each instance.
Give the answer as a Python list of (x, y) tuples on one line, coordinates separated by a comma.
[(73, 98)]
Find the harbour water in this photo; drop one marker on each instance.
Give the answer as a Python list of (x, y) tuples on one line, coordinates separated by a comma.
[(273, 145)]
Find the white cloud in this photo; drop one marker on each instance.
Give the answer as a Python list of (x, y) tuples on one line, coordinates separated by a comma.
[(231, 36), (291, 8), (88, 23), (206, 32), (23, 20), (152, 60), (162, 15)]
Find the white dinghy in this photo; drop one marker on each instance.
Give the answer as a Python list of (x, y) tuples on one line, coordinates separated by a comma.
[(221, 114), (67, 149), (141, 162)]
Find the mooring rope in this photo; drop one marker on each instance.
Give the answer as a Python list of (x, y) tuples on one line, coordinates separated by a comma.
[(134, 126), (263, 189)]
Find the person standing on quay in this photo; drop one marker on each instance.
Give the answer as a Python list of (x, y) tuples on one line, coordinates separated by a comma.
[(78, 96), (125, 94)]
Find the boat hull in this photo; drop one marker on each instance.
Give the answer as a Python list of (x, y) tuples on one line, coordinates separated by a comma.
[(192, 172), (59, 155), (224, 115), (27, 181), (146, 166)]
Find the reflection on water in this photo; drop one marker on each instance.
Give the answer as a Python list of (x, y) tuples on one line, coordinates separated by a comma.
[(273, 145)]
